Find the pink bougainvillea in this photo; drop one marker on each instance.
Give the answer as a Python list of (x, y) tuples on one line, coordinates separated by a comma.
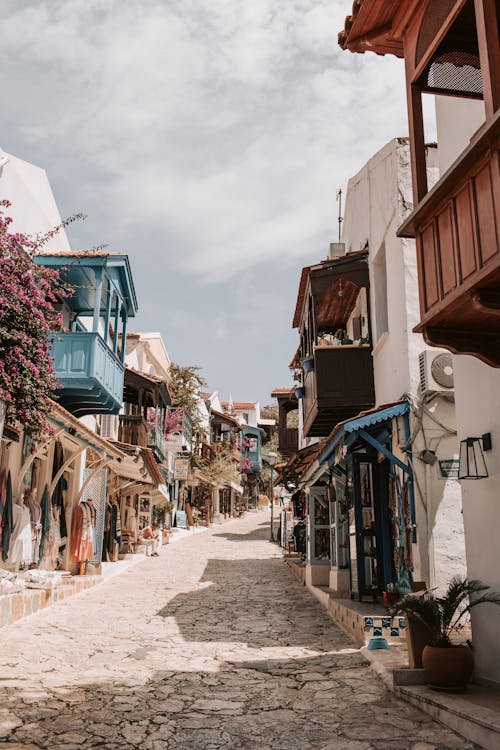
[(28, 319)]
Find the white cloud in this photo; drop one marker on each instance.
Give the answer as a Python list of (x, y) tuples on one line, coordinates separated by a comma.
[(227, 124), (207, 139)]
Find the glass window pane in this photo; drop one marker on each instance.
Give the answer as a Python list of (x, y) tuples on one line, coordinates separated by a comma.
[(322, 544), (321, 511)]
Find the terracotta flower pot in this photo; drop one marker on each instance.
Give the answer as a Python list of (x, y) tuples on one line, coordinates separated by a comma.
[(448, 668)]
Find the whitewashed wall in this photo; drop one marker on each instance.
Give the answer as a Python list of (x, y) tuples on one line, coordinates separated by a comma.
[(477, 389), (33, 209), (378, 198)]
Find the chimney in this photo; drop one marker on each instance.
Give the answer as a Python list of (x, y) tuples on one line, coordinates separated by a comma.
[(337, 250)]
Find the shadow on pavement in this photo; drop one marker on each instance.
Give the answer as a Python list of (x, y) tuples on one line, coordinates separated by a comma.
[(327, 702)]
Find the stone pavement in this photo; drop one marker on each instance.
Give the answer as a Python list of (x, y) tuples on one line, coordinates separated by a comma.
[(212, 645)]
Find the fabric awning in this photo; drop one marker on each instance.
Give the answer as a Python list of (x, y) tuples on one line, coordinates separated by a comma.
[(358, 425)]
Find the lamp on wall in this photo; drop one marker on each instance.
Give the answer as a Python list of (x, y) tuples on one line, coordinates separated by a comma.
[(472, 463), (340, 291)]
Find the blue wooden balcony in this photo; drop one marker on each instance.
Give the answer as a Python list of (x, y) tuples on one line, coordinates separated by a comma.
[(90, 374)]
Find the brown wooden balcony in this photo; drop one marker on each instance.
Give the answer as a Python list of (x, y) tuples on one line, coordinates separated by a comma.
[(288, 441), (207, 453), (133, 430), (457, 230), (339, 387)]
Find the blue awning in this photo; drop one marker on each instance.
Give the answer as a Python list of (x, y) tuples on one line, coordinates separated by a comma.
[(359, 424), (353, 425)]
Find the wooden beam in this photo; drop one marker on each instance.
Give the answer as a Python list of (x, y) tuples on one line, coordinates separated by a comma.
[(487, 23), (417, 142)]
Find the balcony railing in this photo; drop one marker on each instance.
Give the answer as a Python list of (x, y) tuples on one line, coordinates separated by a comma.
[(90, 374), (340, 386), (133, 430), (457, 229), (156, 441)]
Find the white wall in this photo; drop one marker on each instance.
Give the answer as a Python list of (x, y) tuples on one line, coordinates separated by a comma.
[(33, 209), (458, 120), (477, 392), (378, 199), (478, 407)]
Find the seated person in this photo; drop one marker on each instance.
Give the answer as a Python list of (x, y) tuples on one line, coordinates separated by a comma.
[(150, 536)]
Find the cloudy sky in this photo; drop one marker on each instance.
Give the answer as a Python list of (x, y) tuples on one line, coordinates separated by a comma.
[(207, 139)]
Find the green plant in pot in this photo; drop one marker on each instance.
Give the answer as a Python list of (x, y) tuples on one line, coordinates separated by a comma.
[(447, 666), (162, 510)]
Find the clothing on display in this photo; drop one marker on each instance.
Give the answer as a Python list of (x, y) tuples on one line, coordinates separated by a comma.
[(44, 520), (83, 532), (112, 530), (50, 556), (7, 519), (299, 537), (299, 504), (36, 527), (21, 547), (58, 493)]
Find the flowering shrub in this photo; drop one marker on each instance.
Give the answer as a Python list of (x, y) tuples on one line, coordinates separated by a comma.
[(27, 319)]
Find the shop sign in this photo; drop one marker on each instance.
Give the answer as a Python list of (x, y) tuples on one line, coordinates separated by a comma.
[(449, 468), (180, 519), (181, 469)]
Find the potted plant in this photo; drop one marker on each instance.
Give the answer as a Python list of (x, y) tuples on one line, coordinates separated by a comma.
[(447, 665), (163, 511), (308, 364), (299, 391)]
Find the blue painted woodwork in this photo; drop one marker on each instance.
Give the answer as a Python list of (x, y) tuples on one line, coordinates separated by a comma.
[(86, 358), (252, 448), (91, 376)]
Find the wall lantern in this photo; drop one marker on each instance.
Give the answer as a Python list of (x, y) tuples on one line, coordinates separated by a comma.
[(472, 464)]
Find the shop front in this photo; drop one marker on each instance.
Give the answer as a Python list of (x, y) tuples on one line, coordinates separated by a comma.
[(371, 509)]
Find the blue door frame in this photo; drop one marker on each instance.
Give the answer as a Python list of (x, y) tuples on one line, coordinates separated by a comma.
[(381, 532)]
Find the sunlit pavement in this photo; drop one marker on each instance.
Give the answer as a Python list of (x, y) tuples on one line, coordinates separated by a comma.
[(212, 645)]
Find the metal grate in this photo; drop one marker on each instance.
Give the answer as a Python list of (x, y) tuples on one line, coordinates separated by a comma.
[(96, 489), (456, 72)]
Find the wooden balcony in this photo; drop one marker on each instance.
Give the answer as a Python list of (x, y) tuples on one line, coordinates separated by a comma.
[(207, 453), (90, 374), (457, 230), (133, 430), (339, 387), (288, 441)]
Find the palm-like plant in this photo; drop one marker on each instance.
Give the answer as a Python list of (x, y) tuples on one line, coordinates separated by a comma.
[(445, 615)]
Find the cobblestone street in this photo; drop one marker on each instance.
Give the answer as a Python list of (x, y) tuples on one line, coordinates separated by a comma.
[(212, 645)]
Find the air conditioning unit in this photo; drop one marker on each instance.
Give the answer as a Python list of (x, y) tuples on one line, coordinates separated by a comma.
[(436, 371)]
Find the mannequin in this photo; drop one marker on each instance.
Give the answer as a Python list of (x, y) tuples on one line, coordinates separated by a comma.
[(130, 517)]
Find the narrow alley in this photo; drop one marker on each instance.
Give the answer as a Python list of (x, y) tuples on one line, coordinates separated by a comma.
[(212, 645)]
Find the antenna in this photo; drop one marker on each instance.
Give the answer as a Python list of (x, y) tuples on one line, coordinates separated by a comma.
[(339, 201)]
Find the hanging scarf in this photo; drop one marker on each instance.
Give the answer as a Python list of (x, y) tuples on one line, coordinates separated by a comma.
[(3, 491), (45, 520), (7, 519)]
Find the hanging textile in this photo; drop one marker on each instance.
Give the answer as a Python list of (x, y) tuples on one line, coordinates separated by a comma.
[(36, 526), (7, 519), (82, 532), (3, 492), (58, 494), (20, 548), (50, 555), (44, 520)]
